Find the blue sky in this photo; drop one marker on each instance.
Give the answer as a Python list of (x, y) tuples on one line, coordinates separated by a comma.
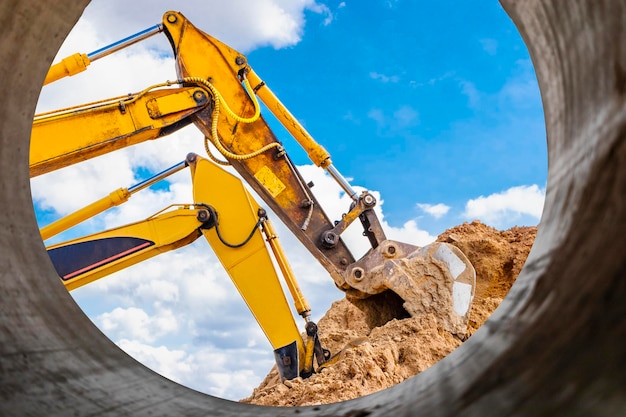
[(431, 103), (434, 106)]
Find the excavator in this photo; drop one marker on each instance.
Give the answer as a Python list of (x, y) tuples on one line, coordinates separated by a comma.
[(218, 92)]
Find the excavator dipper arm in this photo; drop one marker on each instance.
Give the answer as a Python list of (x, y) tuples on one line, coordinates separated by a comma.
[(235, 226)]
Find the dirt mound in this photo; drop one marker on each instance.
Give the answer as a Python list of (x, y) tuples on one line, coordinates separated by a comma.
[(386, 346)]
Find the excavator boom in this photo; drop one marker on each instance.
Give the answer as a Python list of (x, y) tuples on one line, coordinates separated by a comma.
[(218, 91), (64, 137)]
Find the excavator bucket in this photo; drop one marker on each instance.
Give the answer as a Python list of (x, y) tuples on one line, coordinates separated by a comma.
[(435, 279)]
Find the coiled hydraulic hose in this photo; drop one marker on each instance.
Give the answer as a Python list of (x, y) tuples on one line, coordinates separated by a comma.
[(219, 102)]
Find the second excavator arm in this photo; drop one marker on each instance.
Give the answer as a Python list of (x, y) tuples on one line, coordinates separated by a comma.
[(237, 229)]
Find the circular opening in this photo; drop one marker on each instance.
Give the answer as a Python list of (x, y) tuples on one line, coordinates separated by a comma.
[(179, 313)]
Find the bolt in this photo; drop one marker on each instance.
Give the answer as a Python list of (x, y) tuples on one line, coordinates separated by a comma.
[(358, 273), (280, 153), (240, 60), (199, 97), (203, 215), (343, 261), (191, 158), (172, 18), (389, 251), (329, 239), (369, 200)]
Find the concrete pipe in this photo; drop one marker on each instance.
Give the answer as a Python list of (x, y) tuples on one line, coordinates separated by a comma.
[(556, 346)]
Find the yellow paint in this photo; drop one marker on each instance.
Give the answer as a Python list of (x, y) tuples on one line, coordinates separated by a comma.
[(271, 182), (250, 267), (67, 136), (168, 230), (69, 66)]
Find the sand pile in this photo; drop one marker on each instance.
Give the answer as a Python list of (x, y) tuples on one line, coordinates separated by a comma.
[(387, 346)]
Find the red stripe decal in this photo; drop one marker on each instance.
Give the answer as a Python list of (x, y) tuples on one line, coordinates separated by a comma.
[(107, 260)]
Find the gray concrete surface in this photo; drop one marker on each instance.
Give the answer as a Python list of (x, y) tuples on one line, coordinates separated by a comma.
[(556, 346)]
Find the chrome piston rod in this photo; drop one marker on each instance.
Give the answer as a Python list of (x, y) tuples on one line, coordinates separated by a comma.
[(126, 42)]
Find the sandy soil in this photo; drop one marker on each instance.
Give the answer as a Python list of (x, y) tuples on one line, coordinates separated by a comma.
[(381, 345)]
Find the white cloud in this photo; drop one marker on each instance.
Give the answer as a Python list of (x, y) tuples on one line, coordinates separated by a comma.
[(435, 210), (137, 324), (490, 46), (432, 81), (472, 93), (223, 374), (519, 92), (384, 78), (242, 24), (68, 190), (378, 116), (405, 116), (323, 10), (399, 121), (409, 233), (172, 364), (158, 289), (507, 206)]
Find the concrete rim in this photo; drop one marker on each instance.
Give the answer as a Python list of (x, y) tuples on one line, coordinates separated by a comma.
[(554, 347)]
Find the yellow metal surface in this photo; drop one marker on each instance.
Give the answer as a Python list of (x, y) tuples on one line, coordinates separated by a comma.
[(316, 152), (168, 230), (69, 66), (174, 102), (68, 136), (250, 267), (270, 181), (202, 56), (213, 73), (309, 351), (214, 76), (301, 304), (115, 198)]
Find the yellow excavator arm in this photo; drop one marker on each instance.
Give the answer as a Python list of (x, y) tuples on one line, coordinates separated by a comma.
[(86, 259), (237, 229), (71, 135), (217, 94), (218, 91)]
